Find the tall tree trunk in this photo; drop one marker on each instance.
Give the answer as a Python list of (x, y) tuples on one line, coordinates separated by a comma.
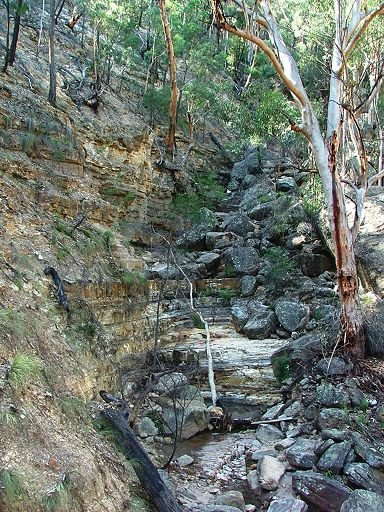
[(16, 30), (170, 138), (7, 38), (52, 59)]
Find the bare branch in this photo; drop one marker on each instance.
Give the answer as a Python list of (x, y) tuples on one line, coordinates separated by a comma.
[(360, 27)]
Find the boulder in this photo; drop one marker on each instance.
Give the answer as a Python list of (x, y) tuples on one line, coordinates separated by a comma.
[(164, 271), (312, 264), (329, 395), (210, 260), (304, 349), (238, 223), (253, 480), (287, 505), (244, 260), (268, 434), (363, 501), (260, 325), (261, 211), (243, 309), (187, 409), (333, 458), (219, 240), (360, 474), (324, 493), (368, 451), (333, 366), (285, 184), (194, 239), (301, 454), (292, 315), (231, 499), (270, 472), (248, 286), (184, 460), (332, 418), (144, 427), (171, 384)]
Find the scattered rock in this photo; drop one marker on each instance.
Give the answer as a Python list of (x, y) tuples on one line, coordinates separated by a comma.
[(232, 499), (292, 315), (334, 457), (332, 418), (244, 260), (210, 260), (144, 427), (253, 480), (287, 505), (267, 434), (260, 325), (368, 452), (248, 286), (171, 383), (302, 454), (184, 460), (238, 223), (329, 395), (270, 470), (363, 501), (284, 443), (362, 475), (333, 366)]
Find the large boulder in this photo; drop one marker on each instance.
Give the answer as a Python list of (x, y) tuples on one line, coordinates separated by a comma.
[(270, 470), (302, 455), (363, 501), (231, 499), (243, 309), (238, 223), (292, 315), (334, 458), (250, 164), (331, 418), (324, 493), (243, 260), (368, 451), (302, 350), (360, 474), (329, 395), (287, 505), (268, 434), (260, 325), (187, 409)]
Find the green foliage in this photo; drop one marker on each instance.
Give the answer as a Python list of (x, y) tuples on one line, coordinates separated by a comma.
[(13, 492), (230, 270), (279, 266), (226, 294), (8, 417), (73, 407), (62, 253), (59, 497), (197, 322), (313, 198), (14, 323), (209, 193), (29, 142), (133, 277), (118, 196), (364, 404), (282, 368), (24, 369), (109, 432)]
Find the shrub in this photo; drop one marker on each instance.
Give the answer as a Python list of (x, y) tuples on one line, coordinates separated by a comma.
[(24, 369), (59, 497), (133, 277), (13, 493), (279, 265), (282, 367)]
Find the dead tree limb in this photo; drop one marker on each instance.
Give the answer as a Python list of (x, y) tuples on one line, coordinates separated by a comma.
[(146, 471)]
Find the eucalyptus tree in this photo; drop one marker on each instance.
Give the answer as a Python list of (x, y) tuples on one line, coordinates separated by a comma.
[(339, 152), (14, 10)]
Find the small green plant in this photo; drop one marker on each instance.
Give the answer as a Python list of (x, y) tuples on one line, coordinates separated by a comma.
[(226, 294), (362, 418), (62, 253), (230, 270), (118, 196), (59, 497), (63, 226), (13, 322), (109, 432), (264, 198), (282, 368), (364, 404), (133, 277), (279, 265), (8, 418), (313, 198), (197, 322), (29, 142), (72, 407), (13, 493), (24, 369)]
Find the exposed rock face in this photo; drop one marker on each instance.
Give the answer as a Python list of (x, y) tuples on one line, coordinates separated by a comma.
[(363, 501), (291, 315)]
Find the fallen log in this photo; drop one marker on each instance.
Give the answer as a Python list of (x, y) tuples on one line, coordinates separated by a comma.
[(146, 471)]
